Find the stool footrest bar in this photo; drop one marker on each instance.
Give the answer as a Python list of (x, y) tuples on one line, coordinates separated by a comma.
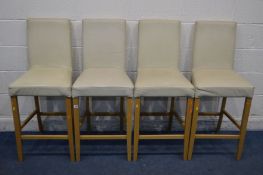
[(209, 113), (161, 136), (104, 113), (216, 136), (44, 137), (52, 113), (154, 113), (103, 137)]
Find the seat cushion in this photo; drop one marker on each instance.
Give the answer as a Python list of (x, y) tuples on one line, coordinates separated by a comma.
[(221, 83), (103, 82), (162, 82), (43, 82)]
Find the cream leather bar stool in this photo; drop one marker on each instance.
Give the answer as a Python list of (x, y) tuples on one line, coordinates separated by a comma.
[(104, 44), (159, 76), (49, 74), (214, 76)]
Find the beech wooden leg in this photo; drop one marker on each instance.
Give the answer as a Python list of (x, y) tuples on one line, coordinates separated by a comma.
[(70, 127), (187, 127), (193, 127), (170, 124), (121, 112), (243, 128), (76, 127), (136, 128), (219, 123), (39, 121), (17, 125), (88, 114), (129, 127)]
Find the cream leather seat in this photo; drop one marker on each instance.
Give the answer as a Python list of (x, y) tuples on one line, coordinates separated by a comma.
[(104, 44), (40, 81), (49, 74), (213, 75), (159, 76), (221, 83), (162, 82), (103, 82)]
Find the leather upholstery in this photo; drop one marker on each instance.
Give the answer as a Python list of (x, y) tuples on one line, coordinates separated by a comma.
[(213, 57), (159, 53), (214, 45), (221, 83), (49, 52), (159, 44), (162, 82), (49, 43), (104, 60), (104, 43), (43, 82), (103, 82)]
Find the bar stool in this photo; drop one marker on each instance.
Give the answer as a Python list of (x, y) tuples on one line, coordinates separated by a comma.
[(104, 74), (49, 74), (214, 76), (159, 76)]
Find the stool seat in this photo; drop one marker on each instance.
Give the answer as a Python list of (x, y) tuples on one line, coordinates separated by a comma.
[(103, 82), (43, 82), (162, 82), (221, 83)]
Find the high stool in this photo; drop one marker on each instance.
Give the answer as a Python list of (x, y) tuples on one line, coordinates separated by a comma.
[(214, 76), (159, 76), (104, 74), (49, 74)]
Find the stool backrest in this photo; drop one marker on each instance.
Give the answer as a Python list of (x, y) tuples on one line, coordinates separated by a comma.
[(104, 43), (214, 45), (159, 44), (49, 42)]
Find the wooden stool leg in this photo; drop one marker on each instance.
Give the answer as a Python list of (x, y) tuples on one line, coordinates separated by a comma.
[(70, 127), (243, 128), (223, 105), (88, 114), (17, 125), (40, 125), (129, 127), (136, 128), (187, 127), (76, 127), (193, 127), (170, 124), (121, 112)]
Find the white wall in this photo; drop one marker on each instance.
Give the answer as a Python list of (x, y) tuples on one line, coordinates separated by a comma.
[(249, 48)]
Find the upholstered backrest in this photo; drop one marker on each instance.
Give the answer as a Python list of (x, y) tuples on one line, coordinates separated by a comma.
[(104, 43), (49, 42), (159, 44), (214, 45)]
